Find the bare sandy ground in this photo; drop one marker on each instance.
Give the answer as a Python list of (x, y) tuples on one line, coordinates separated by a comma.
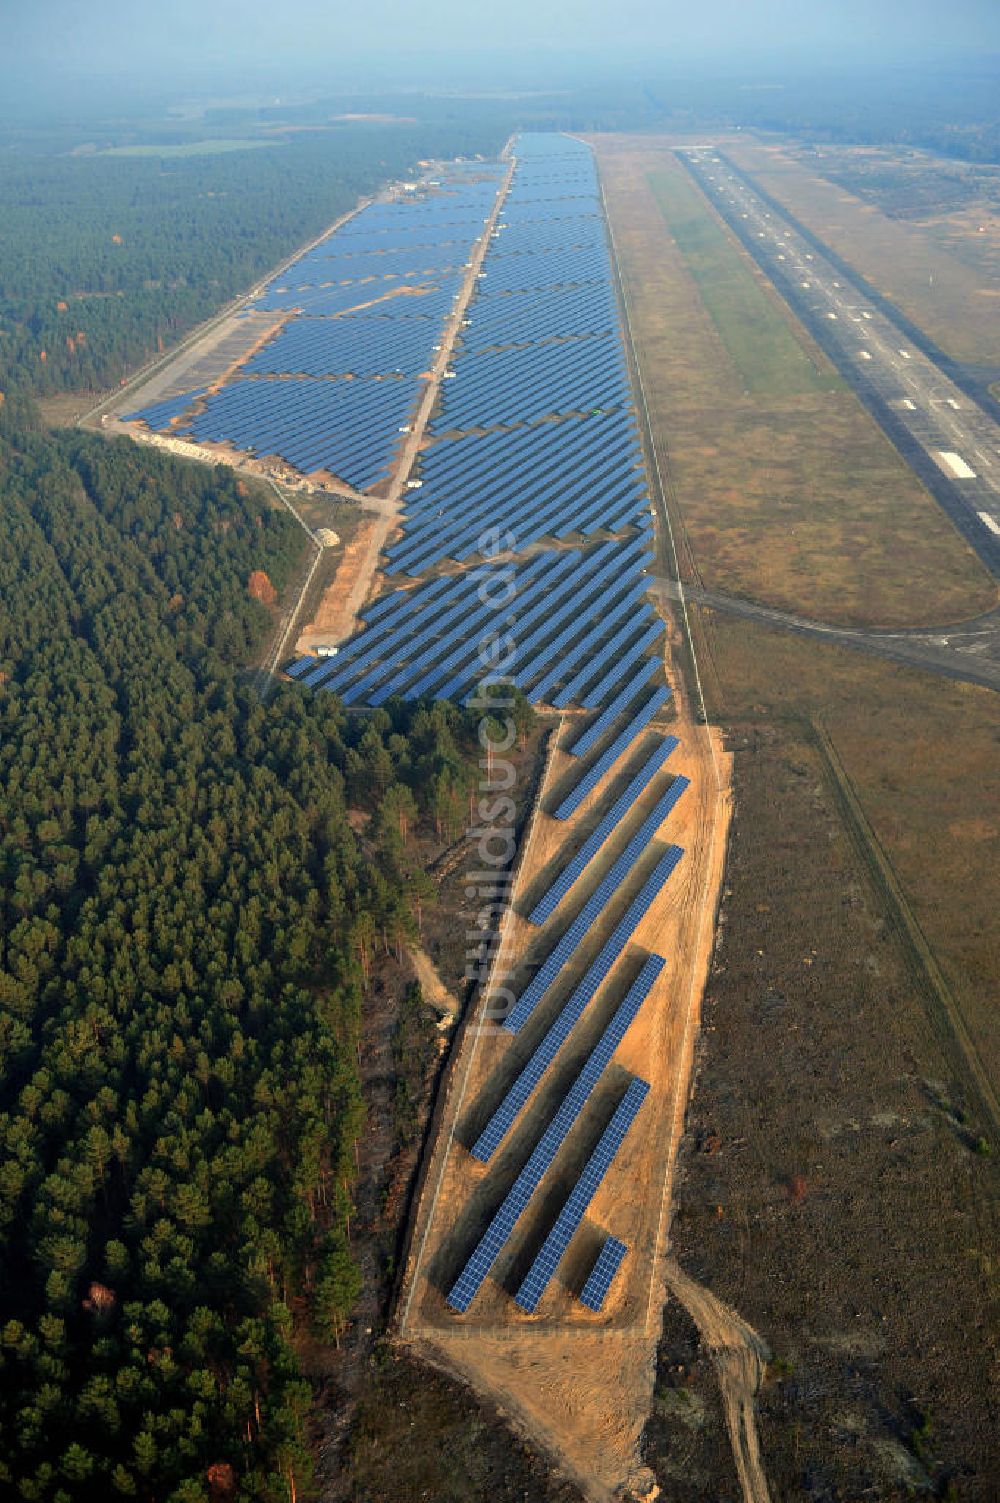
[(336, 613)]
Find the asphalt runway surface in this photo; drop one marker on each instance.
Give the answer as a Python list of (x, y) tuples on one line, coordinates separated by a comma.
[(948, 438)]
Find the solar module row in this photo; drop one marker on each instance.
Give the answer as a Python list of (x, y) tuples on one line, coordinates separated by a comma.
[(512, 237), (419, 244), (514, 386), (622, 640), (574, 1007), (550, 1254), (534, 588), (354, 346), (404, 304), (497, 1234), (606, 890), (346, 427), (494, 462), (531, 596), (485, 528), (327, 302), (532, 654), (602, 1275), (425, 630), (365, 646), (635, 653), (607, 717), (413, 647), (160, 414), (419, 614), (530, 317), (536, 618), (638, 612), (543, 269), (590, 779), (622, 806), (420, 264)]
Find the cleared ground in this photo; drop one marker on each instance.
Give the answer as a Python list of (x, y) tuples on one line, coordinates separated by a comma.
[(580, 1383), (798, 500)]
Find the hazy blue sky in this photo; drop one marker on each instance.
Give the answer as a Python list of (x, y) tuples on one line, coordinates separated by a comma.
[(328, 35)]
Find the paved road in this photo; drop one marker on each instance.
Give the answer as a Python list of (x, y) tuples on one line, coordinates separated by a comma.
[(969, 651), (949, 439)]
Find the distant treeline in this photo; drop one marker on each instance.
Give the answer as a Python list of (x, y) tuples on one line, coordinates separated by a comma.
[(944, 108)]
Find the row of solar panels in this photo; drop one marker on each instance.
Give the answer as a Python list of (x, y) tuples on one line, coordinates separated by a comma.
[(575, 478), (561, 612), (414, 248), (313, 425), (492, 1135), (518, 385), (511, 488)]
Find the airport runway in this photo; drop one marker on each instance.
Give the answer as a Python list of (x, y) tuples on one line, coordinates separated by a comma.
[(951, 442)]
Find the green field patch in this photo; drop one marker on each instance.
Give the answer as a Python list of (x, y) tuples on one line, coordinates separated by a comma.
[(187, 149), (750, 323)]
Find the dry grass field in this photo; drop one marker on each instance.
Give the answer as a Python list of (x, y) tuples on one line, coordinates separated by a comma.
[(787, 492), (940, 265), (838, 1183), (828, 1186), (923, 757)]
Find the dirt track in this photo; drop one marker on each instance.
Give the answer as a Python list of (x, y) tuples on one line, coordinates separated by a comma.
[(740, 1358)]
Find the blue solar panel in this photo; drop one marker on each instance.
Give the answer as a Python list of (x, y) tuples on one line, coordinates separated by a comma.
[(574, 869), (596, 696), (160, 414), (300, 666), (550, 1254), (503, 1118), (602, 1275), (608, 758), (608, 716), (574, 936), (541, 336), (470, 1280), (602, 653)]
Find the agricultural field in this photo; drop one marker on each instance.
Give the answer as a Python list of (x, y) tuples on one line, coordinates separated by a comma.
[(788, 494), (924, 232)]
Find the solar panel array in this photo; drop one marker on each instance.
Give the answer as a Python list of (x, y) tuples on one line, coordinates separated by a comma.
[(547, 446), (557, 612), (574, 869), (580, 927), (503, 1118), (493, 1240), (347, 346), (610, 714), (350, 327), (550, 1254), (161, 414), (523, 484), (602, 1275), (541, 337), (518, 385), (313, 425), (607, 759)]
